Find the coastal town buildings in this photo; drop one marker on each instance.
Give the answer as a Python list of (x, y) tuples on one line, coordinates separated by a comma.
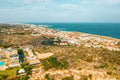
[(9, 58), (14, 60), (31, 58), (75, 38), (9, 52)]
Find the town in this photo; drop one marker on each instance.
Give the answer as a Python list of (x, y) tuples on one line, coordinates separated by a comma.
[(56, 55)]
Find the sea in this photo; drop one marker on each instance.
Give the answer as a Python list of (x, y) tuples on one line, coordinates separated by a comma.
[(103, 29)]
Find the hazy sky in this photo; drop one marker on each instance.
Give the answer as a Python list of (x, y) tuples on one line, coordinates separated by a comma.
[(59, 11)]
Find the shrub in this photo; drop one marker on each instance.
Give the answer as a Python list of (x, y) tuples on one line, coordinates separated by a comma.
[(52, 62), (84, 77), (90, 76), (22, 65), (47, 77), (27, 69), (118, 43)]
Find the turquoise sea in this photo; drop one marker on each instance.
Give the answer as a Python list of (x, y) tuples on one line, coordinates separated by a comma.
[(104, 29)]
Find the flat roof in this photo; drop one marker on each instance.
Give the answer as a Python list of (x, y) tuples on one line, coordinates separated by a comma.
[(14, 55)]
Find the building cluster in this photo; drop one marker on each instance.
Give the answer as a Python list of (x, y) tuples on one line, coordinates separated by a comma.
[(75, 38), (9, 58), (31, 57)]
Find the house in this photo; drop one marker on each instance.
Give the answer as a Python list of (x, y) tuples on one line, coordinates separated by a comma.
[(57, 41), (31, 58), (14, 60), (60, 41), (9, 52), (34, 62), (21, 71), (10, 57), (64, 43)]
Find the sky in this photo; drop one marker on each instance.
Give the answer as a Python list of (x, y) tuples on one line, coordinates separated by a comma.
[(17, 11)]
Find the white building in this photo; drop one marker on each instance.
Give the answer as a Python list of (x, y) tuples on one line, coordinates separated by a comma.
[(14, 60)]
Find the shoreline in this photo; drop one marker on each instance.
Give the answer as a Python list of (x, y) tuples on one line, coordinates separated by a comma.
[(62, 29), (89, 34), (32, 24), (82, 32), (29, 24)]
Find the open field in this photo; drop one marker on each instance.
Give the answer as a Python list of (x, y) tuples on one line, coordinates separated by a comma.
[(9, 72)]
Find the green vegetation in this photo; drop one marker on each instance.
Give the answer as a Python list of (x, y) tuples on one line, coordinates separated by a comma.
[(112, 57), (25, 77), (65, 57), (20, 33), (21, 55), (8, 73), (102, 65), (20, 77), (84, 77), (48, 41), (52, 62), (3, 77), (90, 76), (27, 69), (76, 56), (48, 77), (20, 51), (5, 45), (59, 40)]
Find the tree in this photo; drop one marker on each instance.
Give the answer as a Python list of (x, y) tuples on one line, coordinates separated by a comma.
[(21, 55), (27, 69), (20, 51)]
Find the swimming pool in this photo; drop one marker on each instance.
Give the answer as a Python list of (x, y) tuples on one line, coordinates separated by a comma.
[(2, 63)]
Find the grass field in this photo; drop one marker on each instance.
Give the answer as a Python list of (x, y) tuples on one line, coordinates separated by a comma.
[(9, 72)]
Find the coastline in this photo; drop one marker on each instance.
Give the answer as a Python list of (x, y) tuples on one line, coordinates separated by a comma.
[(97, 35), (59, 29), (90, 34), (41, 43), (73, 38), (78, 38), (105, 29)]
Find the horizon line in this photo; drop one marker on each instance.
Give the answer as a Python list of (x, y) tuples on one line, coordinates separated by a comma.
[(67, 22)]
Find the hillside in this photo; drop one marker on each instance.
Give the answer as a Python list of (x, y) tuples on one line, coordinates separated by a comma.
[(76, 56)]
